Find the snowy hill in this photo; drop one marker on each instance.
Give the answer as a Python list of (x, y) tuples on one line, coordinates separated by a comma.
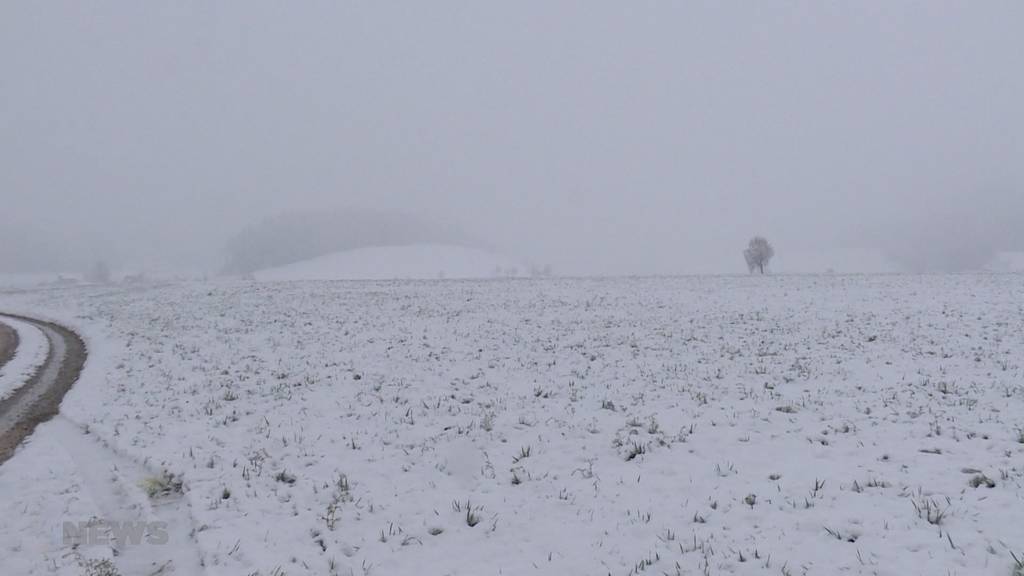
[(420, 261)]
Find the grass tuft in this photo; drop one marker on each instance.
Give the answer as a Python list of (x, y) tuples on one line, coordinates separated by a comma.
[(1018, 564), (981, 480), (635, 449), (102, 567), (930, 511), (162, 485)]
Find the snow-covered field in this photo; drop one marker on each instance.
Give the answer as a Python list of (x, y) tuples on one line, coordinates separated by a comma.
[(734, 425)]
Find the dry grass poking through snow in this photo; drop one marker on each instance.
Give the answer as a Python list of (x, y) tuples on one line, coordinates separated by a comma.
[(861, 425)]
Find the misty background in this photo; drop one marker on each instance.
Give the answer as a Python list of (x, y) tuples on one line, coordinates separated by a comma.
[(597, 137)]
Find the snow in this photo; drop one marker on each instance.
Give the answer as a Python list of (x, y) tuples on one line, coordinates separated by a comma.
[(65, 475), (730, 425), (419, 261), (39, 488), (30, 355)]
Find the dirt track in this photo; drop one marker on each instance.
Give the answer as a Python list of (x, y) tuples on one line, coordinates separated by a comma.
[(39, 399), (8, 343)]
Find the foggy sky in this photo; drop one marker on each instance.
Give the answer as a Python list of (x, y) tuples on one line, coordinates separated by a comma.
[(599, 137)]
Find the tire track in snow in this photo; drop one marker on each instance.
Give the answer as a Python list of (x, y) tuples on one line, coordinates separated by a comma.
[(27, 358), (39, 399), (114, 480), (110, 478)]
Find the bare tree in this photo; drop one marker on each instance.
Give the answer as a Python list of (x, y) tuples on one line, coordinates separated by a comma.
[(758, 253)]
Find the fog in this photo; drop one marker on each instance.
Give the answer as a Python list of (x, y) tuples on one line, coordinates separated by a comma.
[(598, 137)]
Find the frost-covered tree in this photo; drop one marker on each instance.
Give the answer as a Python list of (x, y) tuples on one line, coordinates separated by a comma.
[(758, 253)]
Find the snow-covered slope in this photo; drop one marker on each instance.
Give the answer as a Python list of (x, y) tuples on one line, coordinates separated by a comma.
[(420, 261)]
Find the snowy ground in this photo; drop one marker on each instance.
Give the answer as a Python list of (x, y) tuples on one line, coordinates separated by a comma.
[(786, 425), (29, 355)]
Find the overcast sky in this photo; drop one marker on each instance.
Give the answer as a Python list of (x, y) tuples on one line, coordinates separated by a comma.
[(600, 137)]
